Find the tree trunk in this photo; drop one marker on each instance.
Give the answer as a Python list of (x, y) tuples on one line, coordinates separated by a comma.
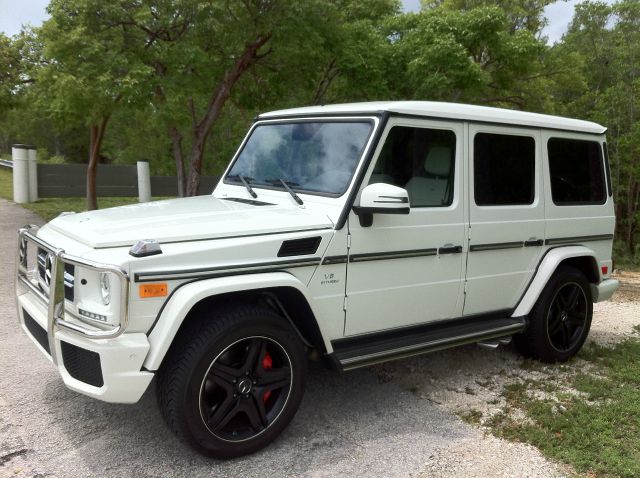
[(97, 135), (176, 141), (217, 100), (632, 208)]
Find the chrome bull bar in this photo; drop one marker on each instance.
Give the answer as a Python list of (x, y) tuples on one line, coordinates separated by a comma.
[(55, 301)]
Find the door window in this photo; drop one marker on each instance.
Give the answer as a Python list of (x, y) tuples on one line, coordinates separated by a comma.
[(420, 160), (577, 176), (503, 169)]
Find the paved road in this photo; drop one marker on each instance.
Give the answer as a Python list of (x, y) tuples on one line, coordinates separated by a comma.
[(348, 425)]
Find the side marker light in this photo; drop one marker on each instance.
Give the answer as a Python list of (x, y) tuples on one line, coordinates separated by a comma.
[(153, 290)]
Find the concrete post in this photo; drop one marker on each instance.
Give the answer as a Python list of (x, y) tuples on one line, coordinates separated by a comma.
[(19, 154), (144, 181), (33, 173)]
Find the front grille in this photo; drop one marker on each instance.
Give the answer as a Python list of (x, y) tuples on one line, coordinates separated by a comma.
[(36, 331), (82, 364)]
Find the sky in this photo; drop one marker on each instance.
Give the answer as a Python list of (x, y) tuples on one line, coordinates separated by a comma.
[(15, 13)]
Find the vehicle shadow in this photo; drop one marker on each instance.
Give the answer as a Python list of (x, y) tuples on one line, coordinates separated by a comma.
[(347, 423)]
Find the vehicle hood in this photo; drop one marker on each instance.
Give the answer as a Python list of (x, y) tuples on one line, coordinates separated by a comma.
[(186, 219)]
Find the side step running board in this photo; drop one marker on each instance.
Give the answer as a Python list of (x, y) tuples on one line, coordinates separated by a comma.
[(363, 350)]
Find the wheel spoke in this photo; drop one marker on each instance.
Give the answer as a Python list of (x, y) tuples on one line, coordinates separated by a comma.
[(275, 378), (223, 373), (224, 412), (565, 334), (255, 348), (258, 404), (555, 326), (250, 408), (576, 319), (572, 297)]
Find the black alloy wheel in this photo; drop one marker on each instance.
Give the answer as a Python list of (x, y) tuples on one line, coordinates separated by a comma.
[(245, 389), (567, 316), (232, 380), (559, 322)]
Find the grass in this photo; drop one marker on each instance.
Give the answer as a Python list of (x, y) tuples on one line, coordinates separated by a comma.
[(48, 208), (596, 428), (6, 184)]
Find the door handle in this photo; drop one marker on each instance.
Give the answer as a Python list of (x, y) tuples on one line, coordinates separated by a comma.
[(533, 243), (450, 250)]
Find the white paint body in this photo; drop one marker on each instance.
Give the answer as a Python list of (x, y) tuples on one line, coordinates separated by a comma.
[(217, 244)]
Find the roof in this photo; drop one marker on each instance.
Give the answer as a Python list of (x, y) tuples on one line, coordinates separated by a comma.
[(457, 111)]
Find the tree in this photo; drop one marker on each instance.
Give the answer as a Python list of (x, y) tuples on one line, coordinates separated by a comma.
[(86, 73), (199, 51), (466, 55), (603, 43)]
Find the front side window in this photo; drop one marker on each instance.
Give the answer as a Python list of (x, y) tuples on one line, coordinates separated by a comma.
[(421, 161), (577, 175), (315, 157), (503, 169)]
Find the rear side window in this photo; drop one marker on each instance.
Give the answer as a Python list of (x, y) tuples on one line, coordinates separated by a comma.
[(577, 173), (503, 169)]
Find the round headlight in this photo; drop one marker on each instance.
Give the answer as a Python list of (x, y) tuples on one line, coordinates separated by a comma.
[(105, 287)]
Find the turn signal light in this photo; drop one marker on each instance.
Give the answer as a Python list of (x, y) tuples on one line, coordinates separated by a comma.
[(153, 290)]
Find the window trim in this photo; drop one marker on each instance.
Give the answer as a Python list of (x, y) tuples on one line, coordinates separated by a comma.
[(607, 168)]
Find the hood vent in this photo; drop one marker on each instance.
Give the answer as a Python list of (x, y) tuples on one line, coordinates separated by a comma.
[(299, 247)]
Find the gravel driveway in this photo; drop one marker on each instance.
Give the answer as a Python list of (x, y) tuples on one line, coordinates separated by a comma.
[(370, 422)]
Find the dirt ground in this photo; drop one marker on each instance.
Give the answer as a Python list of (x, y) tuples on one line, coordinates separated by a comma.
[(471, 379)]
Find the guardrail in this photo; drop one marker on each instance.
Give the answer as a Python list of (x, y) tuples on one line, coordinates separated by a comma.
[(6, 163)]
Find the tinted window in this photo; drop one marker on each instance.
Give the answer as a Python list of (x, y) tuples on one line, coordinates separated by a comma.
[(421, 161), (577, 175), (503, 169)]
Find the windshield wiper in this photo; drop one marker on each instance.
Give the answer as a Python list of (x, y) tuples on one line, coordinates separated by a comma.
[(289, 190), (245, 182)]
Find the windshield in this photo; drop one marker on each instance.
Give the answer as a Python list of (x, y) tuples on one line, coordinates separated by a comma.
[(312, 157)]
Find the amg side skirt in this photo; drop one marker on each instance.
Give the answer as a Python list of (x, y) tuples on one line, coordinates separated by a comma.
[(367, 349)]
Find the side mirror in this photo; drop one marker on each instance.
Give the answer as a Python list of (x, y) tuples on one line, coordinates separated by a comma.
[(381, 198)]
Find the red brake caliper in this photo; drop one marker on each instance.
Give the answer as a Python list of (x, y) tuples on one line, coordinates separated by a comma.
[(267, 364)]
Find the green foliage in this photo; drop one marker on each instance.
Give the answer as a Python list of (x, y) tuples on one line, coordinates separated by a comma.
[(6, 184), (168, 73)]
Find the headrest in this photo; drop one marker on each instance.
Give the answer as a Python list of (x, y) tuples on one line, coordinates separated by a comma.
[(438, 162)]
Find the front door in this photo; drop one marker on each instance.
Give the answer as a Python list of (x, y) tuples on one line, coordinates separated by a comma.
[(408, 269)]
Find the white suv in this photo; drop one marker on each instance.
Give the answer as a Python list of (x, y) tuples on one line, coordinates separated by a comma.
[(358, 233)]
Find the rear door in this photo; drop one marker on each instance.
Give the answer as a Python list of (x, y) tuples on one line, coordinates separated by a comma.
[(506, 214)]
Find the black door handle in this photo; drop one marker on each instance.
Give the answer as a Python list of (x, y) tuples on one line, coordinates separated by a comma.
[(450, 250)]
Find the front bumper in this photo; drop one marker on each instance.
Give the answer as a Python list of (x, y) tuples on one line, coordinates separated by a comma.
[(104, 364)]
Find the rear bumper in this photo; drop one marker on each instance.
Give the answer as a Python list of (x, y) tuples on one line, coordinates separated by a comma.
[(604, 290), (106, 369)]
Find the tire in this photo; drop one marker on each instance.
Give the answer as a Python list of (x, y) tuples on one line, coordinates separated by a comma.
[(232, 381), (560, 320)]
